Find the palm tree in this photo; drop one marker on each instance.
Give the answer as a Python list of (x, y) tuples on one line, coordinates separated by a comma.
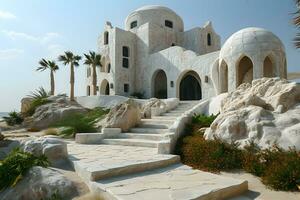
[(52, 66), (93, 60), (73, 61), (297, 23)]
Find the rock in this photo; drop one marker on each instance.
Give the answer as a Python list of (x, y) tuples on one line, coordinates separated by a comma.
[(58, 108), (153, 105), (40, 183), (25, 104), (53, 148), (124, 116), (1, 136), (266, 112)]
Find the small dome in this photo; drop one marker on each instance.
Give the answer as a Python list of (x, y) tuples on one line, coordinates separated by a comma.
[(154, 7), (251, 41)]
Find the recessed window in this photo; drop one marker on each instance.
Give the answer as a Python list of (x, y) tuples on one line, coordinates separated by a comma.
[(133, 24), (208, 39), (172, 83), (173, 44), (106, 37), (111, 86), (125, 63), (125, 51), (125, 60), (108, 68), (126, 87), (168, 23)]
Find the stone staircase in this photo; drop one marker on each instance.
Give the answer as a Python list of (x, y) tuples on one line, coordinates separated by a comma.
[(129, 167), (152, 131)]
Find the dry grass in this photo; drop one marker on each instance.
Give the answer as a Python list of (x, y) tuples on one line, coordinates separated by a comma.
[(50, 131)]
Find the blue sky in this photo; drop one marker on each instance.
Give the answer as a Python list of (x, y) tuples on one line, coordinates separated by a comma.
[(35, 29)]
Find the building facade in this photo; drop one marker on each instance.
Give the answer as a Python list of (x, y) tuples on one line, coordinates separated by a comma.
[(156, 57)]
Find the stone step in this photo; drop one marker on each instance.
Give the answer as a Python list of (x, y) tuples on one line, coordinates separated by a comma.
[(96, 162), (171, 114), (173, 182), (131, 142), (164, 117), (176, 111), (153, 125), (157, 121), (155, 137), (149, 130)]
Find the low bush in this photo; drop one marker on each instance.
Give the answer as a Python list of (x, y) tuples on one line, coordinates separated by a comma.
[(35, 104), (80, 123), (16, 164), (203, 120), (13, 118)]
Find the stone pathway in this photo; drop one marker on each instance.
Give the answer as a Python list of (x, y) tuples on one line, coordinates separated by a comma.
[(129, 167)]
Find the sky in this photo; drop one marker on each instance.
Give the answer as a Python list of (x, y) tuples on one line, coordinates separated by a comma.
[(35, 29)]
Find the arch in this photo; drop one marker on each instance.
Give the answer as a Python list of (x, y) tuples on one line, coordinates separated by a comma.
[(208, 39), (244, 71), (189, 86), (160, 84), (106, 37), (268, 69), (223, 77), (104, 87)]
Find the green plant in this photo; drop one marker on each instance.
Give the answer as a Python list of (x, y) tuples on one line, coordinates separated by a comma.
[(35, 104), (203, 120), (39, 93), (13, 118), (16, 164), (55, 196), (81, 123)]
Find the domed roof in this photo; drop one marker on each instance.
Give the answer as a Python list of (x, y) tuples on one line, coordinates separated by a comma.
[(154, 7), (251, 40)]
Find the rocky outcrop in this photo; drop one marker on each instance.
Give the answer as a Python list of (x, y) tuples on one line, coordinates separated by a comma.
[(124, 116), (53, 148), (153, 106), (1, 136), (26, 104), (266, 112), (58, 108), (40, 183)]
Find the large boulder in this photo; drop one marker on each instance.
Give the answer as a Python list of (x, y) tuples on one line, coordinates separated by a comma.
[(26, 104), (53, 148), (153, 106), (40, 183), (125, 116), (58, 108), (266, 112)]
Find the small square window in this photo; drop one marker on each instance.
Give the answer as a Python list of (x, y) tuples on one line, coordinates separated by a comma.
[(126, 87), (172, 83), (111, 86), (125, 63), (206, 79), (169, 24), (133, 24)]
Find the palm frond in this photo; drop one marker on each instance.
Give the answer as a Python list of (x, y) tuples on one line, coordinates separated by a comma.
[(297, 41), (40, 93), (53, 66), (44, 65)]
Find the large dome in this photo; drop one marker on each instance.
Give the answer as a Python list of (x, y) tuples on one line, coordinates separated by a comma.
[(251, 41), (154, 14)]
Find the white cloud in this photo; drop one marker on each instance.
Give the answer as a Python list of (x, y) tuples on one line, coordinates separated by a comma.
[(6, 15), (6, 54), (48, 37)]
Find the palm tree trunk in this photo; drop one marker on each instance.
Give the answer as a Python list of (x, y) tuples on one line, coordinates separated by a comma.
[(52, 82), (72, 81), (94, 80)]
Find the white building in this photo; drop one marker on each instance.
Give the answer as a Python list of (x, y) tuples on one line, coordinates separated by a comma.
[(156, 57)]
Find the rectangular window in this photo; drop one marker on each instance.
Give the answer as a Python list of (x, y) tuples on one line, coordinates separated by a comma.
[(125, 51), (126, 87), (125, 63), (133, 24), (168, 24)]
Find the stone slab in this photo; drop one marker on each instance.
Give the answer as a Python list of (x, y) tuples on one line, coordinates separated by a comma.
[(176, 182)]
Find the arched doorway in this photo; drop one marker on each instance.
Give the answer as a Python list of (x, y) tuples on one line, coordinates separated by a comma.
[(223, 79), (190, 87), (104, 88), (268, 67), (160, 85), (244, 71)]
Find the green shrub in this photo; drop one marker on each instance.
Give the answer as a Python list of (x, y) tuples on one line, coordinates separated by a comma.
[(210, 155), (203, 120), (80, 123), (39, 93), (35, 104), (13, 118), (16, 164), (55, 196)]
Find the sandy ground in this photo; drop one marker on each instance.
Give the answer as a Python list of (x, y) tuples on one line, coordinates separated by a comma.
[(259, 191)]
